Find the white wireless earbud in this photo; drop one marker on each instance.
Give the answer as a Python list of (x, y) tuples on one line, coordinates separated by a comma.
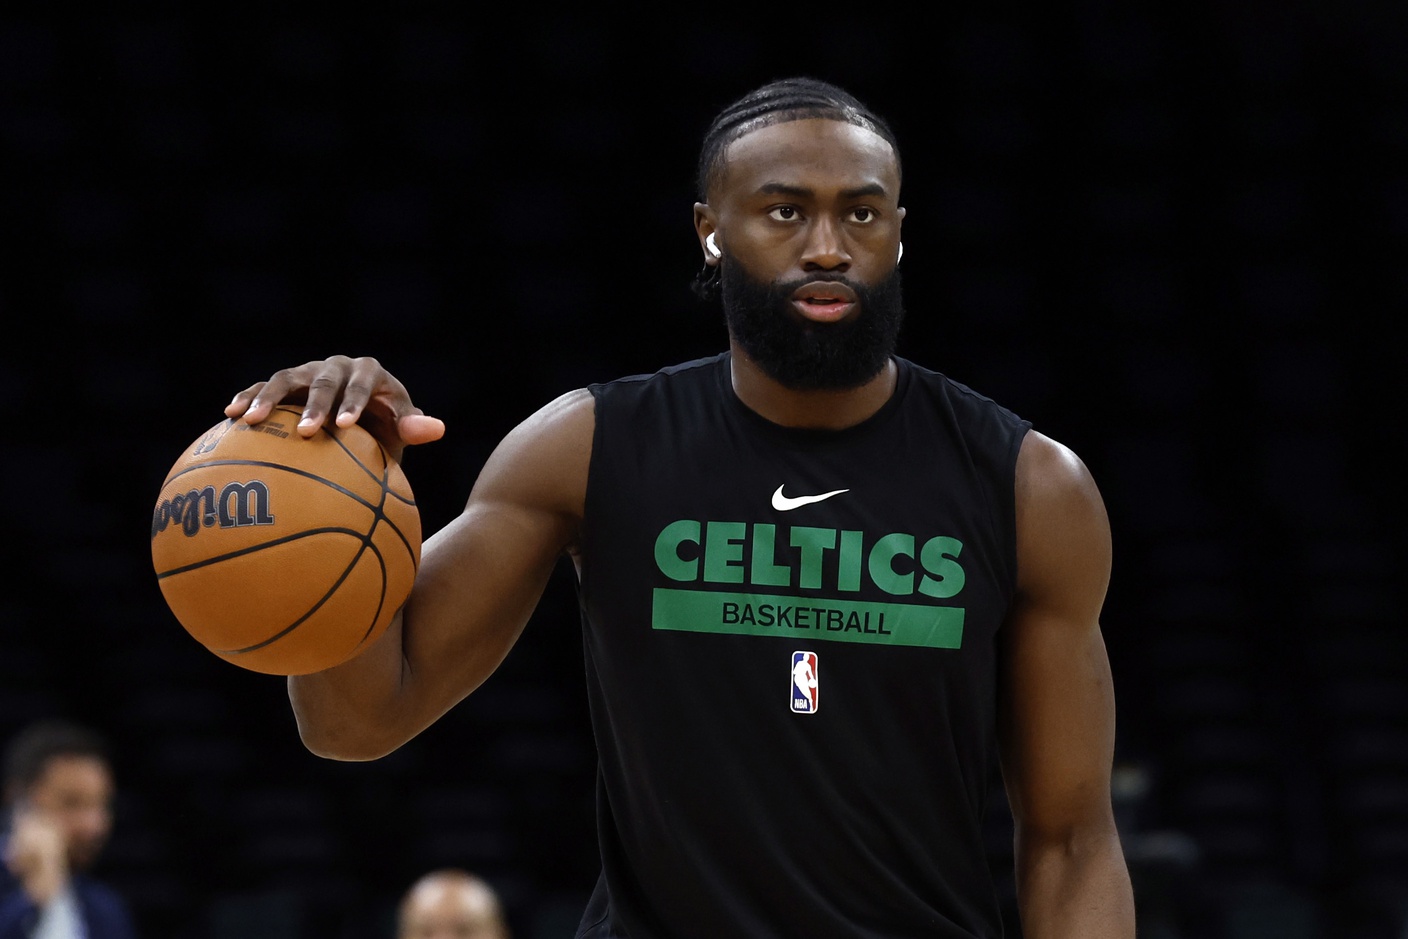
[(900, 255), (713, 248)]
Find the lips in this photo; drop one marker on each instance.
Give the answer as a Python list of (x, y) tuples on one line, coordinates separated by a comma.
[(824, 301)]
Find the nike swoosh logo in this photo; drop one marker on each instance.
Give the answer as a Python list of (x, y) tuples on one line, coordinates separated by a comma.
[(784, 504)]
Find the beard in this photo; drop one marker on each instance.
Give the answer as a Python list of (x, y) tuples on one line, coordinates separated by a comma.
[(808, 356)]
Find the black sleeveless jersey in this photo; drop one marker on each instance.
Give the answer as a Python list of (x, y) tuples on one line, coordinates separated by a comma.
[(790, 648)]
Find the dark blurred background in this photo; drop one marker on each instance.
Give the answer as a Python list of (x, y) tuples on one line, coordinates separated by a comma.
[(1174, 240)]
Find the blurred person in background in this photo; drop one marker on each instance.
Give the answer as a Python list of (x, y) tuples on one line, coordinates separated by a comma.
[(58, 793), (451, 904)]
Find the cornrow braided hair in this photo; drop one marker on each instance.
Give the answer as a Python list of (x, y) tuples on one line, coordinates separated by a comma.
[(788, 99)]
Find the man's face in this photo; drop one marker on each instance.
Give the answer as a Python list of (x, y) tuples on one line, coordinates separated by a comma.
[(807, 216), (75, 793)]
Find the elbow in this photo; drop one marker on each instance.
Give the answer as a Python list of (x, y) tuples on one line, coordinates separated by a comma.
[(1068, 838), (341, 735), (343, 744), (338, 725)]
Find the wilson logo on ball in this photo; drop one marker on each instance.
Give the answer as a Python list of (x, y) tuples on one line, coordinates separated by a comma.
[(237, 505)]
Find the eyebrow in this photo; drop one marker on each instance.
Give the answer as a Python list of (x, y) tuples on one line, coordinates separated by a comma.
[(800, 192)]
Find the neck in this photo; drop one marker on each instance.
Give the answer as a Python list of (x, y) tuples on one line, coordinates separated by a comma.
[(819, 409)]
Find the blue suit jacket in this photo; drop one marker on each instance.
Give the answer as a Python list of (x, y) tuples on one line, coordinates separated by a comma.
[(104, 912)]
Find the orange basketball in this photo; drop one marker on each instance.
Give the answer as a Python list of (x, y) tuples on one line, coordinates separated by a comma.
[(281, 554)]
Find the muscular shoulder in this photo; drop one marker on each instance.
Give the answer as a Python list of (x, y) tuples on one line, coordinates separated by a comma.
[(542, 463), (560, 421), (1063, 532), (1048, 470)]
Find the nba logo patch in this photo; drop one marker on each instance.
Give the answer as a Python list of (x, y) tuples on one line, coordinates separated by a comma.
[(804, 688)]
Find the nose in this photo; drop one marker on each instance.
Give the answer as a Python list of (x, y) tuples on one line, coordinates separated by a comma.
[(825, 249)]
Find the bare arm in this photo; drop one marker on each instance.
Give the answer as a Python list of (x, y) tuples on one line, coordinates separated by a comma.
[(480, 578), (1057, 722)]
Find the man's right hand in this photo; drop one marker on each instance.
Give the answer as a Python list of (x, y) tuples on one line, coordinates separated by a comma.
[(37, 855), (346, 391)]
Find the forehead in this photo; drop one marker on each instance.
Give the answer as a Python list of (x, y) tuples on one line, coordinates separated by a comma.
[(450, 902), (812, 153), (69, 772)]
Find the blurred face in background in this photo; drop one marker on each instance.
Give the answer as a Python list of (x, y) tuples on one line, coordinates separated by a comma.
[(75, 794), (451, 906)]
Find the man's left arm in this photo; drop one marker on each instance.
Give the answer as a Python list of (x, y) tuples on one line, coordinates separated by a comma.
[(1057, 709)]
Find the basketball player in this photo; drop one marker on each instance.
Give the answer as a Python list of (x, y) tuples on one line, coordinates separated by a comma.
[(806, 495), (58, 791), (450, 904)]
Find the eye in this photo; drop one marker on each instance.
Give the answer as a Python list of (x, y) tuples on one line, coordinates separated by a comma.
[(863, 215), (784, 213)]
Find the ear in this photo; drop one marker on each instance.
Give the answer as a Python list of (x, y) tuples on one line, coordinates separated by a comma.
[(898, 226), (705, 224)]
